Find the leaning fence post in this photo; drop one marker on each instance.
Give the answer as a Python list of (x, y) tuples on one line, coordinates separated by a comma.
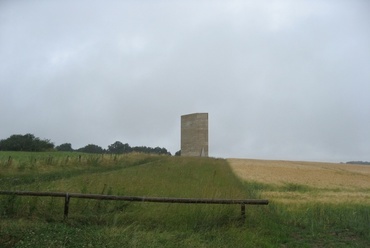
[(10, 160), (66, 206), (242, 208)]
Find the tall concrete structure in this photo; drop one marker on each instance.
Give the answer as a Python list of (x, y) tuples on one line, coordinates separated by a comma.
[(194, 135)]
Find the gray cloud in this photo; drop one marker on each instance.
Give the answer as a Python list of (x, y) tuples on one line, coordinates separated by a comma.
[(279, 79)]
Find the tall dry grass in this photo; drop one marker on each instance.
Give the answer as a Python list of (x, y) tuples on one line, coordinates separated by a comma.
[(306, 181)]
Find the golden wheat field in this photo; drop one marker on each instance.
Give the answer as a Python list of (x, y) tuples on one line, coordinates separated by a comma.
[(314, 181)]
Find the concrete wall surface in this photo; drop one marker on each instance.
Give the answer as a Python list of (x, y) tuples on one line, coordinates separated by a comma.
[(194, 135)]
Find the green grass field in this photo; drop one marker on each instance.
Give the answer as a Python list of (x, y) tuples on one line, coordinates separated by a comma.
[(38, 221)]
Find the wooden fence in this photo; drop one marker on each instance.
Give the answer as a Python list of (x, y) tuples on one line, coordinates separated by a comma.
[(68, 196)]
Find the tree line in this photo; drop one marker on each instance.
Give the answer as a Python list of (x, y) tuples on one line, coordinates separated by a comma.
[(358, 162), (29, 142)]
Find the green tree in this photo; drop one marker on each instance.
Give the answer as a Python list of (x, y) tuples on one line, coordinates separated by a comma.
[(27, 142), (156, 150), (91, 148), (66, 147), (118, 148)]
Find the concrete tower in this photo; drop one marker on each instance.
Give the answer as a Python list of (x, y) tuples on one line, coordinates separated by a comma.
[(194, 135)]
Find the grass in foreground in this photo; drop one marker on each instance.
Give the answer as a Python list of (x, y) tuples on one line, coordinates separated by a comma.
[(38, 222)]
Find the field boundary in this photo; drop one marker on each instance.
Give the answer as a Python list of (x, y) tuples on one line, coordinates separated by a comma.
[(68, 196)]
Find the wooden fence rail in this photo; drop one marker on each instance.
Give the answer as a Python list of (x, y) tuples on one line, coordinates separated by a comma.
[(68, 196)]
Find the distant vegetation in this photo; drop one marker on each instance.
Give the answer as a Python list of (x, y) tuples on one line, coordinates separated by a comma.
[(119, 148), (27, 142), (30, 143), (358, 162)]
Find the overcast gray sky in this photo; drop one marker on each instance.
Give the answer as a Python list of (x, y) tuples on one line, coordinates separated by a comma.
[(279, 79)]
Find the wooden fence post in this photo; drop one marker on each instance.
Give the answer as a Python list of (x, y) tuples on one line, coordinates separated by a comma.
[(10, 160), (66, 206), (242, 208)]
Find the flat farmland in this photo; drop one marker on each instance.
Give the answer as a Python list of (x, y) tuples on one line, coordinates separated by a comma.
[(287, 181), (310, 204)]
